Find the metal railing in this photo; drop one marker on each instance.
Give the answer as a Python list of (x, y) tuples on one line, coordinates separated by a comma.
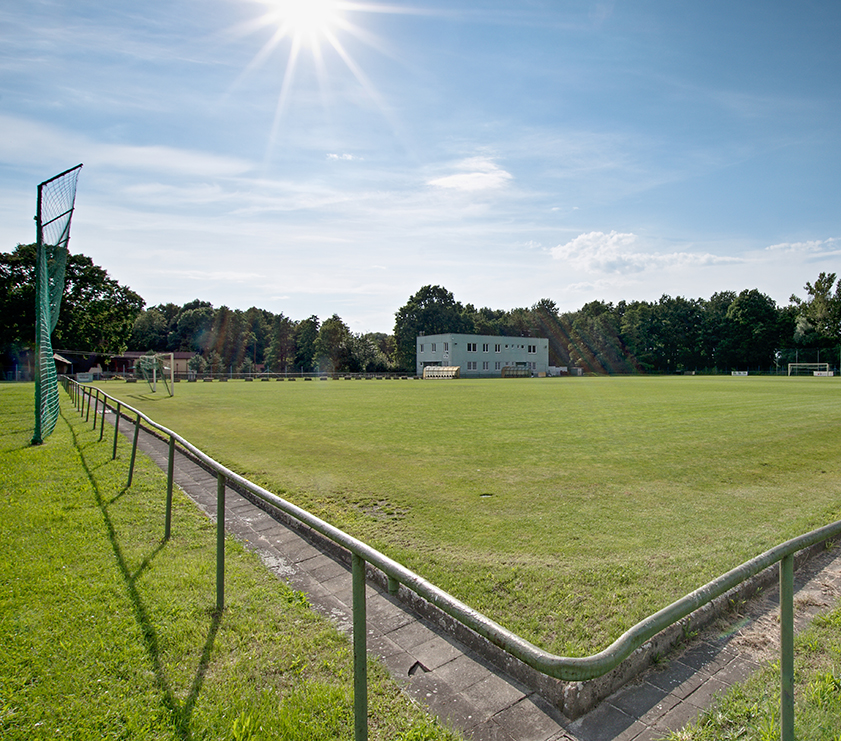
[(560, 667)]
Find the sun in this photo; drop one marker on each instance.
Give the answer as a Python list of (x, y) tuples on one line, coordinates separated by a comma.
[(304, 20), (321, 27)]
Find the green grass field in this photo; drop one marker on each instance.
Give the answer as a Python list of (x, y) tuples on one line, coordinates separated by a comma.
[(108, 633), (566, 509)]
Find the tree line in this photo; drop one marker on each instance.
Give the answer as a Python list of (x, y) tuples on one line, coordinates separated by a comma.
[(726, 332)]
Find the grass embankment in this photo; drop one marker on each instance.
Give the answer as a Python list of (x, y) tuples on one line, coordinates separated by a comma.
[(106, 632), (751, 711), (566, 509)]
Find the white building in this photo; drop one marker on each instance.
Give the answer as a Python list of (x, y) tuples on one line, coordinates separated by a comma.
[(484, 355)]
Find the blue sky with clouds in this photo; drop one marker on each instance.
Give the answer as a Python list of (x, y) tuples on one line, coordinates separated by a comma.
[(510, 151)]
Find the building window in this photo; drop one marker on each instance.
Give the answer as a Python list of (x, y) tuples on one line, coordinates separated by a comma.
[(497, 348), (433, 347), (471, 365), (421, 348), (532, 349), (471, 347), (485, 365), (446, 347), (497, 365), (485, 347)]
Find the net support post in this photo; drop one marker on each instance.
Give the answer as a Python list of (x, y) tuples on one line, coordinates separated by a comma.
[(787, 648), (360, 651), (220, 543), (170, 470), (133, 451)]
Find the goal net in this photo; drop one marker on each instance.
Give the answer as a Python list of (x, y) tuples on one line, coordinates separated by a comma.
[(809, 369), (56, 200), (159, 368)]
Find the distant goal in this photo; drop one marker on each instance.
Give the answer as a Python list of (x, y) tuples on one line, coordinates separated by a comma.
[(155, 368), (809, 369)]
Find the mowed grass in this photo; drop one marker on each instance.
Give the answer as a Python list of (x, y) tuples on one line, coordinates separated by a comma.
[(108, 633), (566, 509)]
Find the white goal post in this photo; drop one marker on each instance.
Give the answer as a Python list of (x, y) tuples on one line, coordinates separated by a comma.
[(154, 368), (816, 369)]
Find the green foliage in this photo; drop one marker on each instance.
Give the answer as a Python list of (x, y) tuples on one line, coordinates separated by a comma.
[(97, 313), (820, 313), (432, 310)]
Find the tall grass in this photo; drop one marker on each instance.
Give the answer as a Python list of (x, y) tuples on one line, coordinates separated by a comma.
[(108, 633), (567, 509)]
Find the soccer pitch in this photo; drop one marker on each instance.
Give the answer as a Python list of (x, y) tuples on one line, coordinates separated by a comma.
[(566, 509)]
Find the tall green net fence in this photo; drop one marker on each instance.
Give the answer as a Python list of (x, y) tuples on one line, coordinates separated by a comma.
[(56, 200)]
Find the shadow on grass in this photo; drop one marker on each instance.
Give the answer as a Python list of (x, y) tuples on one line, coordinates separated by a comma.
[(180, 712)]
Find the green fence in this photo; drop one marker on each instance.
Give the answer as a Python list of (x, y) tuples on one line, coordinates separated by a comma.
[(560, 667)]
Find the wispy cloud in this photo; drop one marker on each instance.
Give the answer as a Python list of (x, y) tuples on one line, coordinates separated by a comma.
[(479, 173), (27, 142), (597, 252), (816, 247)]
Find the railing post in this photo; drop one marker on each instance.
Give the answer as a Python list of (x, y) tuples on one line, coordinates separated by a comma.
[(360, 652), (95, 408), (787, 648), (133, 451), (116, 431), (169, 474), (220, 542), (102, 421), (88, 415)]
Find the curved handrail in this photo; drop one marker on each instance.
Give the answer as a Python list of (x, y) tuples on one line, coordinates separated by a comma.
[(566, 668)]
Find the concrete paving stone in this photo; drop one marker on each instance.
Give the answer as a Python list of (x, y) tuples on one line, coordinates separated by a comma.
[(677, 718), (488, 730), (453, 709), (651, 734), (436, 652), (493, 694), (386, 613), (644, 701), (700, 656), (677, 678), (736, 671), (324, 568), (398, 663), (412, 634), (340, 587), (606, 721), (382, 645), (303, 552), (462, 672), (530, 719), (704, 696), (264, 524)]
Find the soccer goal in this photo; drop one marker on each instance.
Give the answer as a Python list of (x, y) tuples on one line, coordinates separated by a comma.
[(809, 369), (154, 368)]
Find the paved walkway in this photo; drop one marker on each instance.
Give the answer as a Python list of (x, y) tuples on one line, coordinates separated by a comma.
[(461, 688)]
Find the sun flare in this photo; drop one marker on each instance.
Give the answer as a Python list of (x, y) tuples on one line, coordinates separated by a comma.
[(305, 19)]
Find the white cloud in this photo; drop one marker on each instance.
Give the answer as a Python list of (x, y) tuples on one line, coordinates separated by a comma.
[(345, 157), (480, 173), (812, 247), (26, 142), (597, 252)]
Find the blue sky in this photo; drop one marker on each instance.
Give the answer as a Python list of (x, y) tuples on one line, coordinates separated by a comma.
[(510, 151)]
